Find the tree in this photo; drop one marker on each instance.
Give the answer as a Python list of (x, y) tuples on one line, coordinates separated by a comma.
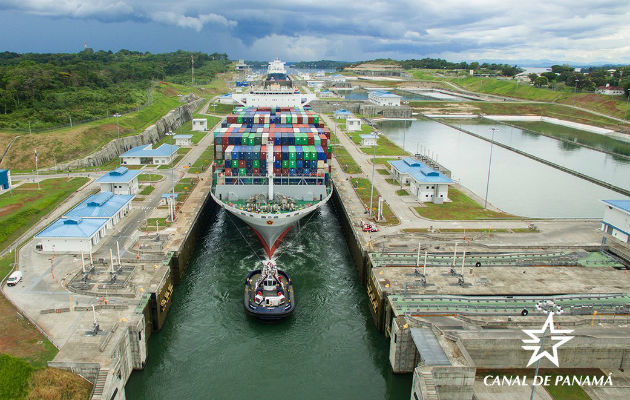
[(541, 81), (532, 77)]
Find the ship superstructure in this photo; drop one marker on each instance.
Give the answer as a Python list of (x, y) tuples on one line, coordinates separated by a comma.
[(272, 165)]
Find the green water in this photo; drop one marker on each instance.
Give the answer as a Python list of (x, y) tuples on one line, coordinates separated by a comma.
[(329, 348)]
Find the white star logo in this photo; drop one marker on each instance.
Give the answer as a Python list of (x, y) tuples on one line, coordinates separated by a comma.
[(557, 335)]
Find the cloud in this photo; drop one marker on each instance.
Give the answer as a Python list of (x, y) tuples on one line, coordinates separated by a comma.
[(578, 30)]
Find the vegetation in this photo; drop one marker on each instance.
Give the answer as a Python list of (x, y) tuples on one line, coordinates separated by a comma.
[(147, 190), (385, 147), (346, 161), (149, 177), (220, 109), (24, 206), (203, 162), (382, 171), (363, 188), (14, 377), (461, 207), (53, 383), (402, 192), (322, 64), (49, 89), (185, 185)]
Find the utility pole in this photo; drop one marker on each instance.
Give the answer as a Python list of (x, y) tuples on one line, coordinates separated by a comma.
[(116, 116), (192, 63), (372, 187), (485, 203)]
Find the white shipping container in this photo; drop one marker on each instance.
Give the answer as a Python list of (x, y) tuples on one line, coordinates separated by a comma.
[(218, 155), (320, 164)]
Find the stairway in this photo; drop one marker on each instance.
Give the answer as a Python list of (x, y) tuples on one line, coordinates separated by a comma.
[(99, 384)]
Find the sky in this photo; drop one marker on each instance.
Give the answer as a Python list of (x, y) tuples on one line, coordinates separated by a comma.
[(524, 32)]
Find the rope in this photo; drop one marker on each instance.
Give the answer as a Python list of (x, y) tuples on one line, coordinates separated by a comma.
[(243, 236)]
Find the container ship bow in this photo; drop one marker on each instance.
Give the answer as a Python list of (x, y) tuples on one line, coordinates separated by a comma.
[(272, 158)]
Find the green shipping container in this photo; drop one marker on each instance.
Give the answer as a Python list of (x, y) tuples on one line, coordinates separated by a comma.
[(239, 119), (250, 139), (316, 120), (289, 119), (329, 149), (292, 153), (242, 171), (256, 164), (285, 163), (318, 141), (292, 164), (234, 163)]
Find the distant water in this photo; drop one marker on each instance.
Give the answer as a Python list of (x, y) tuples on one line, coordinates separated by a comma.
[(329, 349), (518, 185)]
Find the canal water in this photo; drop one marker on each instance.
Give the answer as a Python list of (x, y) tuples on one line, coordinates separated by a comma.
[(329, 348), (362, 94), (518, 185)]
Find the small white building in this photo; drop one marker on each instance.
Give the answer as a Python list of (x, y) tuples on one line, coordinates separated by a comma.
[(224, 99), (315, 84), (384, 98), (353, 124), (610, 90), (616, 221), (168, 198), (71, 235), (425, 183), (120, 181), (369, 140), (146, 154), (200, 124), (240, 65), (183, 140), (342, 114)]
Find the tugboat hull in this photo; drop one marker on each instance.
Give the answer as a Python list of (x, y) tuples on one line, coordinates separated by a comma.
[(267, 313)]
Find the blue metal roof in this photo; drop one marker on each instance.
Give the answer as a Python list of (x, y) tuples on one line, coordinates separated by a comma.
[(370, 136), (342, 111), (183, 136), (165, 150), (623, 205), (170, 195), (384, 93), (419, 171), (119, 175), (73, 228), (101, 205)]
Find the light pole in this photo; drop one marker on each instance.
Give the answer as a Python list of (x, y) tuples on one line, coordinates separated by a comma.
[(372, 186), (116, 116), (575, 98), (485, 203)]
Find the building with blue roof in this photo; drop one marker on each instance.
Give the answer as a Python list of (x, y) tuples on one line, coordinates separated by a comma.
[(71, 235), (120, 181), (146, 154), (425, 183), (183, 140), (5, 179), (112, 207), (616, 221), (384, 98), (369, 140), (342, 114)]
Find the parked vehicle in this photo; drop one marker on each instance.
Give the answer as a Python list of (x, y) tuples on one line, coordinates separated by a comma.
[(15, 277)]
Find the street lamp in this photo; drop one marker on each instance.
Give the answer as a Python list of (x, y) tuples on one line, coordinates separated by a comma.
[(372, 186), (485, 204), (575, 98), (116, 116)]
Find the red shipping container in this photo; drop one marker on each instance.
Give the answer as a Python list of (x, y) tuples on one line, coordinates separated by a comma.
[(225, 139), (227, 171), (242, 163), (285, 171), (256, 171), (263, 151), (310, 138), (277, 171), (329, 156)]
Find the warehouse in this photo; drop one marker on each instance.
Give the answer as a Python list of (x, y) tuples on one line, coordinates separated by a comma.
[(425, 183), (146, 154), (112, 207), (71, 235), (616, 221), (119, 181), (384, 98)]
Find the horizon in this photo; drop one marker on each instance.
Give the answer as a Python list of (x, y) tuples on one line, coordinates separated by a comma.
[(577, 33)]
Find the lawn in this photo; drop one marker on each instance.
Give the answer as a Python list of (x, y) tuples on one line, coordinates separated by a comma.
[(362, 187), (383, 161), (382, 171), (587, 138), (150, 224), (402, 192), (185, 185), (24, 206), (346, 161), (149, 177), (220, 109), (461, 207), (147, 190), (175, 162), (203, 162), (384, 147)]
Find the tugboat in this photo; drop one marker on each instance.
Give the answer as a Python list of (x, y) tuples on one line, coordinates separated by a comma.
[(268, 293)]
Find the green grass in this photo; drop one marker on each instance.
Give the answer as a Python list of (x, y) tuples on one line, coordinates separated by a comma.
[(149, 177), (346, 161), (384, 147), (392, 181), (203, 161), (24, 206), (461, 207), (175, 161), (363, 188), (382, 171), (147, 190), (14, 377), (6, 263), (587, 138), (220, 109), (402, 192), (383, 161), (149, 225), (185, 185)]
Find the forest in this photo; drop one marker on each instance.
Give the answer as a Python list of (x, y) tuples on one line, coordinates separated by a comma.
[(39, 91)]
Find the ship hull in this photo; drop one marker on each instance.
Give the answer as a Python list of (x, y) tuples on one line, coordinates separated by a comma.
[(271, 228)]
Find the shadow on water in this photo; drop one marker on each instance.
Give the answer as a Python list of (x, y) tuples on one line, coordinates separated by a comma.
[(328, 348)]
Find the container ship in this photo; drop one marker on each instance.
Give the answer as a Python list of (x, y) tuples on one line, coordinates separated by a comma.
[(272, 157)]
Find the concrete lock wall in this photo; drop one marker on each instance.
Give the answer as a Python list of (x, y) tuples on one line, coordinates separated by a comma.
[(402, 350), (170, 122), (454, 383)]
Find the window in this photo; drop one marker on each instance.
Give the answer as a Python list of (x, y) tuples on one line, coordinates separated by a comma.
[(432, 187), (427, 187), (139, 335)]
